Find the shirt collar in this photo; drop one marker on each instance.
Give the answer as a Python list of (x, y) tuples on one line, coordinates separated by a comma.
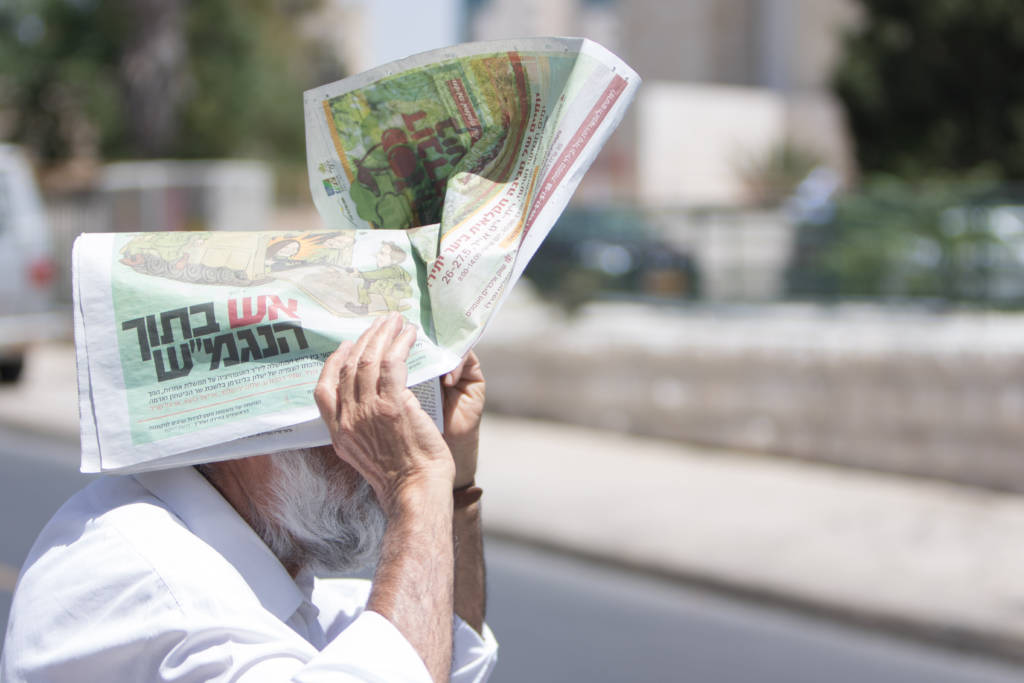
[(209, 516)]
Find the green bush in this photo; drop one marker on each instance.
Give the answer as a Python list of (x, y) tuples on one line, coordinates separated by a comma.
[(953, 241), (158, 78)]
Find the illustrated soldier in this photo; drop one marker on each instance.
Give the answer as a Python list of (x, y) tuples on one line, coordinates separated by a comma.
[(384, 288)]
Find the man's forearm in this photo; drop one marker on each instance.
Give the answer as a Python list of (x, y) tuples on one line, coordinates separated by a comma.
[(413, 584), (470, 573)]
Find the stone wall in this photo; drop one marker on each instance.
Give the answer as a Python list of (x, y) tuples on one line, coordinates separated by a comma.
[(909, 392)]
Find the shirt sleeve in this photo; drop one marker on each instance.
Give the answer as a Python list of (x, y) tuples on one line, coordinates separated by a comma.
[(371, 649), (473, 655)]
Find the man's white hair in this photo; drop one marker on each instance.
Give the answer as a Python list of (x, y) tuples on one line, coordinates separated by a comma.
[(318, 519)]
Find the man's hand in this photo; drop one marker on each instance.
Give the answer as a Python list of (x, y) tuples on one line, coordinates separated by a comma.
[(379, 428), (375, 421), (463, 390)]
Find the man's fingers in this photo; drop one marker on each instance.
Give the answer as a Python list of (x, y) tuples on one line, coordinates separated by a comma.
[(333, 362), (453, 377), (393, 371), (368, 369), (365, 337), (326, 391), (374, 362), (469, 368), (350, 371)]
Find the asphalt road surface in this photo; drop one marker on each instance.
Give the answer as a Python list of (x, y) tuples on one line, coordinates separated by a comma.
[(562, 620)]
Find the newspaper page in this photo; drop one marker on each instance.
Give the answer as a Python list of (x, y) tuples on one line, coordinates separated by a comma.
[(487, 139), (222, 334), (438, 176)]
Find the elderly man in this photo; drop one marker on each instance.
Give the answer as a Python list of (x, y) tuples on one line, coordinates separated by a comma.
[(207, 574)]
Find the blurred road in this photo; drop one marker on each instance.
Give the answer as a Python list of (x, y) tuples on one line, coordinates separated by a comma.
[(560, 619)]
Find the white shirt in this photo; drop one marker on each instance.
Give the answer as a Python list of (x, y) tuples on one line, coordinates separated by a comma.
[(155, 577)]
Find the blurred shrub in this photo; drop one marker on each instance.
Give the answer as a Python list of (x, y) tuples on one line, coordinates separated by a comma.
[(773, 177), (953, 241), (931, 85), (169, 78)]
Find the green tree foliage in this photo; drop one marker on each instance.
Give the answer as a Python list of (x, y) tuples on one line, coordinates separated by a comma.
[(148, 78), (932, 86)]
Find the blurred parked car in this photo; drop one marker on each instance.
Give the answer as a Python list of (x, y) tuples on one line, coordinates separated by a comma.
[(603, 252), (27, 269)]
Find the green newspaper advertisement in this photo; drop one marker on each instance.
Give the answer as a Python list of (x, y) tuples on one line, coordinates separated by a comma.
[(264, 311)]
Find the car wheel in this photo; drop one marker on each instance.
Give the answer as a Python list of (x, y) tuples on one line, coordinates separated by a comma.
[(10, 369)]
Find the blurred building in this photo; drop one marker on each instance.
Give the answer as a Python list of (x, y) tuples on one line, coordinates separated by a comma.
[(223, 194), (343, 26), (729, 84), (367, 33)]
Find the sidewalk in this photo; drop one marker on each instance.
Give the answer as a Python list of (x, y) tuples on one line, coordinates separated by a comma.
[(932, 559)]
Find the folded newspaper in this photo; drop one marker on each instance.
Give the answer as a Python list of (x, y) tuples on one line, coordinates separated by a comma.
[(437, 177)]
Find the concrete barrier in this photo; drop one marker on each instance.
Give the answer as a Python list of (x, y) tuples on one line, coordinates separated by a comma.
[(900, 391)]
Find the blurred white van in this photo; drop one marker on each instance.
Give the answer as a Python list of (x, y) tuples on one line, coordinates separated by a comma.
[(27, 269)]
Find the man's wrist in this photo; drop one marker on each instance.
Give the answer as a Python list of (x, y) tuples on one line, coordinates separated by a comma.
[(467, 517), (417, 493), (466, 495), (463, 480), (464, 449)]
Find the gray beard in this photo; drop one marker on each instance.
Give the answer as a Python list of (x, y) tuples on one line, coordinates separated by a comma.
[(315, 520)]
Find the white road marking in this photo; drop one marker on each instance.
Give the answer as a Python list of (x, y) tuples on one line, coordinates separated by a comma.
[(8, 577)]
